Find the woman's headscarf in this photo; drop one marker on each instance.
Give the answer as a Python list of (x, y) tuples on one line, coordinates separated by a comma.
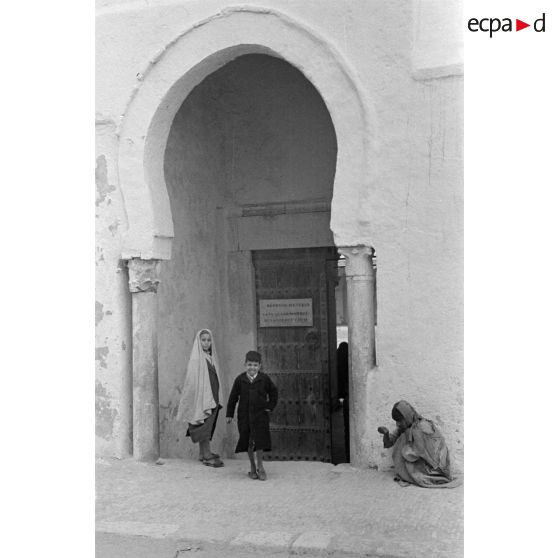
[(197, 402), (405, 411), (420, 454)]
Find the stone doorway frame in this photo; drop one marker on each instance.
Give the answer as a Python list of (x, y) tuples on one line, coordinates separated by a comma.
[(162, 87)]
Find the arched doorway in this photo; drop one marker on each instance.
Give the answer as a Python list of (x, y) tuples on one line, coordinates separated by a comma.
[(249, 168), (184, 63), (162, 87)]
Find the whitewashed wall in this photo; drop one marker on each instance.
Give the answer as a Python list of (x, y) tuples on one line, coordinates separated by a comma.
[(410, 71)]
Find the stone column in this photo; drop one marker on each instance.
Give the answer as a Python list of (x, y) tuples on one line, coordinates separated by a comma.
[(143, 282), (360, 319)]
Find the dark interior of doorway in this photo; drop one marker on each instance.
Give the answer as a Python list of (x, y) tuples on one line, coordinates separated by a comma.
[(340, 446)]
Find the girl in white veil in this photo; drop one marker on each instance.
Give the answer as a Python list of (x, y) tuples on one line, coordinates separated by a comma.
[(200, 401)]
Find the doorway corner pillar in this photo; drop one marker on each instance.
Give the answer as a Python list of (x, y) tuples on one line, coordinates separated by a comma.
[(143, 280), (362, 347)]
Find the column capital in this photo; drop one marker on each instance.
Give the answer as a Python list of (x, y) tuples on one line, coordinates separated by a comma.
[(358, 260), (143, 275)]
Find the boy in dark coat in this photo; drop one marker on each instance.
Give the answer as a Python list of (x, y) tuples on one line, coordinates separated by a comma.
[(256, 396)]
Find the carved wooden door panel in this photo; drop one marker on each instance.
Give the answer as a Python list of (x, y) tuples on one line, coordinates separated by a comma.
[(296, 357)]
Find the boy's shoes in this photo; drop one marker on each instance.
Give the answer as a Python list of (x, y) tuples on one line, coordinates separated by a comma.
[(253, 475), (213, 462), (213, 456), (261, 474)]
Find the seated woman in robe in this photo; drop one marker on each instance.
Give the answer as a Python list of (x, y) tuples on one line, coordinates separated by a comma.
[(420, 454)]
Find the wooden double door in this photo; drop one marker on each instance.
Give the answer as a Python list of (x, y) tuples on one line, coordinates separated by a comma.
[(295, 293)]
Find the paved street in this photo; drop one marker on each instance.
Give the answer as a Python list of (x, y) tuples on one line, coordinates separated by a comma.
[(109, 545), (314, 508)]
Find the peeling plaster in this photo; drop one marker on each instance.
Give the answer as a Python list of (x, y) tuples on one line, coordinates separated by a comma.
[(98, 312), (105, 125), (105, 415), (113, 228), (101, 180), (104, 120), (101, 354)]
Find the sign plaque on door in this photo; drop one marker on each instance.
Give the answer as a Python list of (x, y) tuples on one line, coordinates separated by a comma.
[(286, 312)]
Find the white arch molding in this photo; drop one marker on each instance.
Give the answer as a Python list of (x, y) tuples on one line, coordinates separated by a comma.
[(197, 52)]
